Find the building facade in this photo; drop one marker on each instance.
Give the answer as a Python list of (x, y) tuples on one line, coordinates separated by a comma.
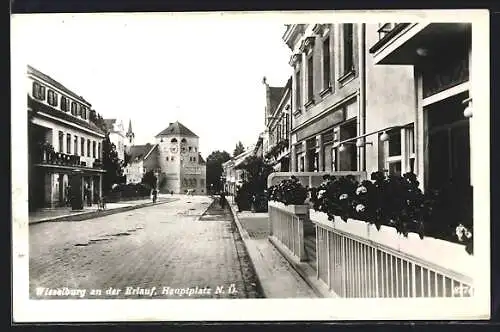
[(341, 101), (142, 159), (182, 166), (64, 145), (116, 133), (440, 56), (278, 113), (232, 175)]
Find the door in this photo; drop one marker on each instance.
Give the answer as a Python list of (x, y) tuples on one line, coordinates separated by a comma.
[(76, 192)]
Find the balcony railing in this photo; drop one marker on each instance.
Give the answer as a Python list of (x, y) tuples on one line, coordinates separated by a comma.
[(63, 159)]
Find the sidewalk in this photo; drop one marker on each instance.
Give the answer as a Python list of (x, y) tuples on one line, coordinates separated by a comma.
[(66, 214), (277, 277)]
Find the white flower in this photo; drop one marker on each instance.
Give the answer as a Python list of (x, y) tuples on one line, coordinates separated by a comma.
[(459, 231), (321, 193), (343, 196), (468, 234), (361, 190), (360, 208)]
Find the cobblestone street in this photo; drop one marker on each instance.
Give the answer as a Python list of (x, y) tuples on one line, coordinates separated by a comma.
[(173, 250)]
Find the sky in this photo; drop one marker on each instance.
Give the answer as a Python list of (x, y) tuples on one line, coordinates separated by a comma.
[(203, 71)]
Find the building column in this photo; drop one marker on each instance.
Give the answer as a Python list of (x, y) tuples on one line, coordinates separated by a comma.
[(305, 154), (320, 152), (100, 186), (92, 190), (293, 159)]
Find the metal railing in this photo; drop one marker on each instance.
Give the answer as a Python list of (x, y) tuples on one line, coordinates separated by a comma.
[(288, 228), (353, 267)]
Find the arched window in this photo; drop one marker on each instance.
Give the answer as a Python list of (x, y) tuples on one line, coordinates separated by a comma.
[(173, 140), (183, 140)]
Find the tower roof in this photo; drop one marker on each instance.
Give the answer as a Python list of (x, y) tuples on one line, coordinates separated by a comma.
[(177, 129), (129, 131)]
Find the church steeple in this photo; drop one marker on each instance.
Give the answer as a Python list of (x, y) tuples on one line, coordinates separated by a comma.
[(130, 134)]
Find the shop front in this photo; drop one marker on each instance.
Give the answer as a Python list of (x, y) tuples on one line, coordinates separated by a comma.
[(317, 145)]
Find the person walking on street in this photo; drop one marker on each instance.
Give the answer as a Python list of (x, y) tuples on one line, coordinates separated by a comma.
[(222, 199), (155, 195)]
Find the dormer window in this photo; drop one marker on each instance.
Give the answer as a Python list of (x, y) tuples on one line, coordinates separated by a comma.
[(52, 98), (64, 104), (74, 108), (38, 91)]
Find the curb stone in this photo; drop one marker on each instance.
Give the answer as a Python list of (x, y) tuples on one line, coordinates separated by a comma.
[(304, 271), (245, 237), (96, 214)]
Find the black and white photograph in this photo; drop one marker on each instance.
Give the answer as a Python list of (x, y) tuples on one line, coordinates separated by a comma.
[(251, 166)]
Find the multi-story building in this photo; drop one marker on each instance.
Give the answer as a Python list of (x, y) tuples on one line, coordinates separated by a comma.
[(232, 174), (440, 55), (142, 159), (341, 101), (182, 166), (278, 111), (116, 134), (64, 145)]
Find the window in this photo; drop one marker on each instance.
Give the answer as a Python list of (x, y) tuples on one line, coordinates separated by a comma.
[(172, 158), (74, 110), (64, 104), (287, 124), (93, 149), (61, 142), (99, 150), (410, 132), (84, 112), (298, 96), (52, 98), (401, 151), (326, 63), (68, 143), (82, 147), (348, 157), (195, 149), (173, 140), (75, 148), (348, 48), (310, 78), (88, 148), (183, 149), (183, 140), (190, 149), (38, 91), (166, 158)]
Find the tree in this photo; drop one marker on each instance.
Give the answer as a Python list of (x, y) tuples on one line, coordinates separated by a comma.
[(214, 169), (239, 149), (111, 164), (149, 178)]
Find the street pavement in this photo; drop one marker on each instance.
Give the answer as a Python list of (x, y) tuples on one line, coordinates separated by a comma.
[(172, 250)]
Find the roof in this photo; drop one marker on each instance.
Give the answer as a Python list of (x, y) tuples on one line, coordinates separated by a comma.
[(201, 161), (275, 94), (178, 129), (37, 106), (50, 80), (109, 123), (141, 152)]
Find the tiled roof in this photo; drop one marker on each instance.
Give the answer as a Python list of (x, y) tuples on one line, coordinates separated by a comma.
[(139, 152), (53, 82), (177, 128), (275, 96), (37, 106)]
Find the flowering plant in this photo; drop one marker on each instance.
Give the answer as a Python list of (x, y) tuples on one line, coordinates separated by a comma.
[(288, 191), (464, 235)]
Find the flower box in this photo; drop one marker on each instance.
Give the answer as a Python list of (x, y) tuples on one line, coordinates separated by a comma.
[(444, 254), (291, 208)]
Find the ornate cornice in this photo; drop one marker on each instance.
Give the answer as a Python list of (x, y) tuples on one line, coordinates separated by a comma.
[(294, 59), (307, 44)]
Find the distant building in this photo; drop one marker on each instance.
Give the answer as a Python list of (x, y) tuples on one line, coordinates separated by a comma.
[(181, 164), (278, 114), (234, 177), (64, 144), (143, 158), (116, 136)]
